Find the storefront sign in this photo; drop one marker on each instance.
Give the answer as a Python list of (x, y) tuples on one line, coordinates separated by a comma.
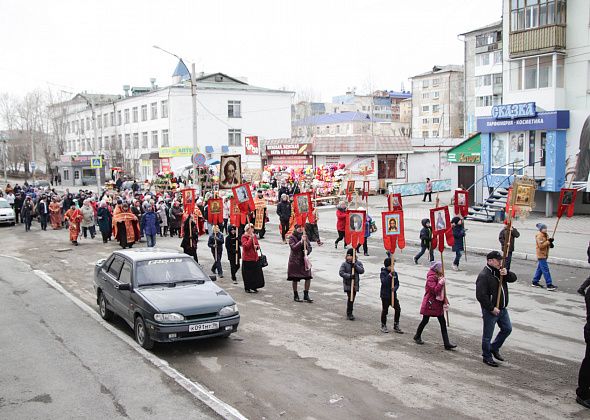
[(301, 149), (175, 151), (294, 161), (512, 111), (251, 145), (467, 152), (362, 166), (165, 165), (551, 120)]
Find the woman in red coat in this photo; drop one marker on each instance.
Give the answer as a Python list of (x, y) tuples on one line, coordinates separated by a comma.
[(340, 223), (433, 304), (251, 270)]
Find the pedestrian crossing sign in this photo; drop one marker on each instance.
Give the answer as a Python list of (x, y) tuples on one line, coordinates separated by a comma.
[(96, 162)]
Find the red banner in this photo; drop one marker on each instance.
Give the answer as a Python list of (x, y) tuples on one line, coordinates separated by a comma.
[(355, 227), (349, 190), (303, 207), (215, 211), (392, 223), (236, 217), (394, 202), (462, 202), (440, 221), (243, 195), (567, 199), (188, 199)]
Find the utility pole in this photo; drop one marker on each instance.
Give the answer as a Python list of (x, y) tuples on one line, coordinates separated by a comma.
[(4, 139)]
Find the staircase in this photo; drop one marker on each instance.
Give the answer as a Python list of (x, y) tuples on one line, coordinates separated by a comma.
[(486, 212)]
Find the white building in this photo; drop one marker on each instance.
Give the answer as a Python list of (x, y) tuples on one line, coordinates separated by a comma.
[(151, 129)]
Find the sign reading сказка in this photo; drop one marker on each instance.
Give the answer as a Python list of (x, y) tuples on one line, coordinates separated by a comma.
[(512, 111), (175, 151)]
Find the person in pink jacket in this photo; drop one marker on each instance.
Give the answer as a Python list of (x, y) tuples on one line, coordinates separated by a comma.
[(433, 304)]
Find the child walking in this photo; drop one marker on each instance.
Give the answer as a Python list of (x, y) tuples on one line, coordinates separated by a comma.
[(387, 276), (346, 272)]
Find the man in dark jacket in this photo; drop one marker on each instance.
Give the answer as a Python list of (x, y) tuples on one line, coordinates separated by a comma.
[(284, 213), (19, 199), (583, 390), (346, 272), (486, 291), (215, 243), (504, 234), (387, 278), (425, 241)]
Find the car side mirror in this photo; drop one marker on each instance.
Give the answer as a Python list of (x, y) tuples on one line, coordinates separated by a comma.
[(124, 286), (213, 277), (100, 262)]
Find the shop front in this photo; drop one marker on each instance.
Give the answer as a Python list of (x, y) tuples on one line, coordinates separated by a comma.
[(518, 140), (288, 154), (76, 170), (467, 168)]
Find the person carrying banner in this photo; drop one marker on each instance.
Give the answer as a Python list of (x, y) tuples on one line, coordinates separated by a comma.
[(284, 213), (389, 278), (234, 251), (506, 233), (341, 223), (298, 269), (425, 242), (433, 304), (311, 227), (543, 243), (216, 244), (350, 270), (494, 311), (260, 215)]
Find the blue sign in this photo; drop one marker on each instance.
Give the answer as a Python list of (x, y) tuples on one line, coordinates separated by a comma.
[(199, 159), (551, 120), (512, 111)]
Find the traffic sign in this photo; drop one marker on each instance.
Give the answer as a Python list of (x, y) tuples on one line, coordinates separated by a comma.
[(33, 165), (199, 159), (96, 162)]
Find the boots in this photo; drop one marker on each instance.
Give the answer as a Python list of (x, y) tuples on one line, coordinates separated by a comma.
[(306, 296), (296, 297), (418, 339), (448, 344), (396, 328)]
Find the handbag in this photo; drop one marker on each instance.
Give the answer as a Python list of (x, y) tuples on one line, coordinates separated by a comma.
[(262, 261)]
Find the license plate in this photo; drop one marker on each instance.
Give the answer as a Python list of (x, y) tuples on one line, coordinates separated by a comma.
[(203, 327)]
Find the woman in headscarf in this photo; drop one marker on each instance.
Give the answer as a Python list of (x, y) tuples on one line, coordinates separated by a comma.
[(55, 214), (251, 270), (234, 252), (88, 219), (105, 221), (175, 218), (163, 213), (126, 227), (297, 269), (190, 237)]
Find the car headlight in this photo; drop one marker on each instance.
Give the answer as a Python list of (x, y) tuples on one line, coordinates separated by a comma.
[(228, 310), (173, 317)]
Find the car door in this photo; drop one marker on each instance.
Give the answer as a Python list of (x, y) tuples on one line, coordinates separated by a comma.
[(104, 283), (123, 297), (112, 280)]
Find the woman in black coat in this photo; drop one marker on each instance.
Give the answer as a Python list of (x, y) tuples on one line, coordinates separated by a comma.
[(105, 222), (190, 237), (232, 246), (175, 218), (27, 213), (296, 271)]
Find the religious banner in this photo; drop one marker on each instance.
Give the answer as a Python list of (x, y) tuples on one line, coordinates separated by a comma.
[(567, 199), (349, 190), (354, 233), (462, 202), (366, 187), (523, 194), (440, 221), (188, 199), (215, 211), (243, 195), (392, 223), (303, 207), (236, 217), (394, 202)]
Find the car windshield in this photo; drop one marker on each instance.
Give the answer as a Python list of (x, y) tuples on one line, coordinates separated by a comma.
[(4, 205), (168, 271)]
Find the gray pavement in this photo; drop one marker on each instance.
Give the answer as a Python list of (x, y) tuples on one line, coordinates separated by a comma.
[(56, 362)]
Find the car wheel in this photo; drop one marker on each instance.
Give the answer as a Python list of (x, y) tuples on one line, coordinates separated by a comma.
[(142, 336), (105, 312), (226, 335)]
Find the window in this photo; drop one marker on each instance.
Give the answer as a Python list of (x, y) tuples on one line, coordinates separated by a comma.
[(234, 137), (234, 109), (545, 73), (425, 83), (425, 95), (487, 39), (515, 75), (528, 14), (99, 121), (485, 80), (497, 57), (100, 143), (115, 268), (435, 95), (144, 112), (482, 59), (543, 145), (87, 123), (127, 141), (425, 133), (76, 174), (82, 126), (164, 138), (135, 114), (112, 118), (435, 81), (126, 115), (434, 133), (120, 141), (424, 120), (154, 138), (559, 71), (164, 106), (66, 174), (497, 79), (435, 109), (136, 140), (425, 108), (436, 120), (105, 120), (119, 118), (154, 110), (125, 276), (144, 139), (387, 166), (530, 73), (113, 144), (483, 101)]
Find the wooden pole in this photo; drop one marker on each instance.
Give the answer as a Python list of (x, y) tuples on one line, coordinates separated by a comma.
[(505, 251), (392, 271), (352, 274), (445, 313), (464, 241)]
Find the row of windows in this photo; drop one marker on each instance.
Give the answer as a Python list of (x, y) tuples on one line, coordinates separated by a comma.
[(488, 39), (486, 59), (488, 100), (426, 83), (427, 134), (116, 142), (536, 72), (435, 108), (434, 95), (528, 14), (435, 120)]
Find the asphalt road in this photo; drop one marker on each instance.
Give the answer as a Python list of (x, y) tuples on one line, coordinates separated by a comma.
[(304, 361)]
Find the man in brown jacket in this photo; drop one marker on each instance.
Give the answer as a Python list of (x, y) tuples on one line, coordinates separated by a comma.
[(544, 242)]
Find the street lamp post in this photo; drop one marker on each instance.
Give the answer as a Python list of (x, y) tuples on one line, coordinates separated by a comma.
[(4, 139), (95, 142), (193, 81)]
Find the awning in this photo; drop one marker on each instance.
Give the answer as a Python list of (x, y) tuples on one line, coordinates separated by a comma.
[(361, 144), (212, 162)]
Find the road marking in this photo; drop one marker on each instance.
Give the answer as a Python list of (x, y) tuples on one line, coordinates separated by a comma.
[(196, 389)]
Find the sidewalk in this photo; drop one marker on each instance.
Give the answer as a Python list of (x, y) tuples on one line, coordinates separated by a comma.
[(571, 238)]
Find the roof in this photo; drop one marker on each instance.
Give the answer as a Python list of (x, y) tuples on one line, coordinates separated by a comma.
[(401, 95), (288, 140), (441, 69), (361, 144), (495, 25), (337, 118), (144, 254), (469, 138)]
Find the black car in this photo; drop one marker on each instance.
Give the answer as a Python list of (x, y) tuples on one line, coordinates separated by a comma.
[(163, 295)]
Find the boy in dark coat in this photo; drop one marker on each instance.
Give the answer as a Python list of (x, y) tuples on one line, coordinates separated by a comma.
[(386, 282), (425, 241), (459, 237), (347, 277), (216, 245), (232, 246)]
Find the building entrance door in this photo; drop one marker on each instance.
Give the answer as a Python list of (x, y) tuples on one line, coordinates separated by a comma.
[(466, 178)]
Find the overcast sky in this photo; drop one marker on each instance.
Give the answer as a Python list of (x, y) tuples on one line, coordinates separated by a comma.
[(321, 47)]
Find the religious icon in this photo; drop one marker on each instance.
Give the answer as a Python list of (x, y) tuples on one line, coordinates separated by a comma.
[(356, 222), (230, 171), (523, 195), (461, 199), (567, 197), (350, 187), (440, 221), (215, 208), (392, 223), (242, 194), (302, 204)]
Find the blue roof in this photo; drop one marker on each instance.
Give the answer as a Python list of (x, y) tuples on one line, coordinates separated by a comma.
[(182, 71), (402, 95), (382, 101), (337, 118)]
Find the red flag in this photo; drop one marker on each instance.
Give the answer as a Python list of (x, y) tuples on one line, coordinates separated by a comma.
[(349, 190), (440, 221), (394, 202), (462, 202), (243, 195), (567, 199), (215, 211), (355, 227), (303, 207), (392, 223), (236, 217), (188, 199)]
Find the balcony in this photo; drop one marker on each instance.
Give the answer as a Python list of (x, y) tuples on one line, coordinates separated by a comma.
[(537, 41)]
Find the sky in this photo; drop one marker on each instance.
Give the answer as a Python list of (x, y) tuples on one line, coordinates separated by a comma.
[(318, 48)]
